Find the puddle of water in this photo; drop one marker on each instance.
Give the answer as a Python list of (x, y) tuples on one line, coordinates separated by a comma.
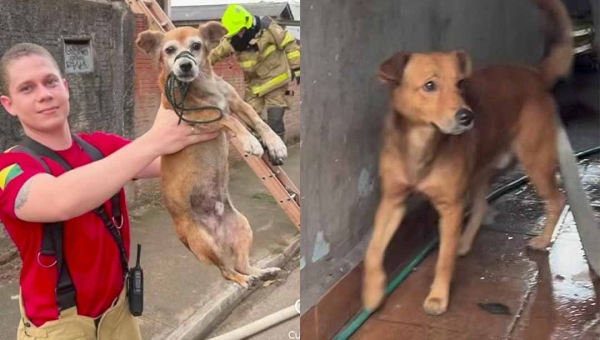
[(571, 280), (565, 302)]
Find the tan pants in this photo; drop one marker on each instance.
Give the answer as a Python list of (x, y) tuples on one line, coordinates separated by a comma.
[(116, 323), (275, 98)]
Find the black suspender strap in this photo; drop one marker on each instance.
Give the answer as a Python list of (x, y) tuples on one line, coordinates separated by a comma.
[(52, 232), (52, 245), (96, 155), (48, 238)]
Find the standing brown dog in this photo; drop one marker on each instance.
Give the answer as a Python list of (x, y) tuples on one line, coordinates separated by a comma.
[(448, 130), (194, 180)]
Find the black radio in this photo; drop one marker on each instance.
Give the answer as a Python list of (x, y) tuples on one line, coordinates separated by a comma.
[(136, 286)]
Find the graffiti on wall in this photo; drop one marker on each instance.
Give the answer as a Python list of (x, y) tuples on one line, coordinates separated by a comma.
[(78, 57)]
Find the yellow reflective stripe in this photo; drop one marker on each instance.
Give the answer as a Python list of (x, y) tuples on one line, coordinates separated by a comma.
[(297, 73), (268, 51), (288, 38), (280, 78), (293, 55), (247, 63)]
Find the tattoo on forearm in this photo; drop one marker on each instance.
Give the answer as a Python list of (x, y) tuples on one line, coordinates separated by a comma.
[(23, 194)]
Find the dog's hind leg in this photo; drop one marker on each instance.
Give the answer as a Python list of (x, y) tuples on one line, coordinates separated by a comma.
[(243, 280), (479, 208), (388, 217), (242, 247), (206, 250), (537, 151)]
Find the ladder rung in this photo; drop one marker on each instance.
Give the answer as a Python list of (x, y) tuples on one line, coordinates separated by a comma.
[(164, 24)]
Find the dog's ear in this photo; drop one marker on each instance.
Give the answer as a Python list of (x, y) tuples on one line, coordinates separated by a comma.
[(149, 41), (211, 33), (391, 70), (464, 62)]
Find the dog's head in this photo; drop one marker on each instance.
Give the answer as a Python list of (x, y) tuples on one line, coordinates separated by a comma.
[(426, 88), (184, 50)]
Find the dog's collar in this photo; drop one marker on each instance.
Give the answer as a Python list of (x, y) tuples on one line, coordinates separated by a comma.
[(179, 107)]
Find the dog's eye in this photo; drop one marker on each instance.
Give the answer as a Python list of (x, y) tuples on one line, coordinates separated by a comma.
[(429, 86), (196, 46), (170, 49)]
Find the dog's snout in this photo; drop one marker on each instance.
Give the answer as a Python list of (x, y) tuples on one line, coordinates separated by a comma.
[(464, 117), (185, 66)]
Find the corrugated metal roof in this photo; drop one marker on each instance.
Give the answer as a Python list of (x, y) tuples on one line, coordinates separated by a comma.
[(214, 12)]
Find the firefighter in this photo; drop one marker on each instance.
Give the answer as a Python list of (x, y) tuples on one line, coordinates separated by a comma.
[(269, 57)]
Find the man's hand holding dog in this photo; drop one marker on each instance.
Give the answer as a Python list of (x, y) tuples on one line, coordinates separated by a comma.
[(169, 135)]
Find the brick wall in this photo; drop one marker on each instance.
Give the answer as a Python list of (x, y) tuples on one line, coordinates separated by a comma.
[(146, 91), (145, 104)]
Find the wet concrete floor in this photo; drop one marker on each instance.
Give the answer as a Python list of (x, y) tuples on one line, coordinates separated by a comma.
[(548, 295)]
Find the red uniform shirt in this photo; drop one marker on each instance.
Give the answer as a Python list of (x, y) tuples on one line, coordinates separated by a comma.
[(91, 254)]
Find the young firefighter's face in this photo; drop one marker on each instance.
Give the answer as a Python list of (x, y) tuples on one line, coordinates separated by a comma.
[(37, 94)]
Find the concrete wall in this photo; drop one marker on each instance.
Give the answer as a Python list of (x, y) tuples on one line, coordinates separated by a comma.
[(344, 42), (101, 99)]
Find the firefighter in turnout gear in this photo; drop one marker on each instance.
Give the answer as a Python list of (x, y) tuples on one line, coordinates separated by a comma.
[(269, 57)]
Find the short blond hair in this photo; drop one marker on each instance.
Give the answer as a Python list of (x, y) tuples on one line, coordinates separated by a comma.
[(18, 51)]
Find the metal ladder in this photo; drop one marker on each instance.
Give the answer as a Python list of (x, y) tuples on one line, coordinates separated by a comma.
[(275, 180)]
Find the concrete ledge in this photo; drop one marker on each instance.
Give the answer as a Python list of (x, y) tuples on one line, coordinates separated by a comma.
[(205, 320)]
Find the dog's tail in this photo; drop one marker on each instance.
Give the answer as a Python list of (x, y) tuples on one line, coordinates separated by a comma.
[(558, 60)]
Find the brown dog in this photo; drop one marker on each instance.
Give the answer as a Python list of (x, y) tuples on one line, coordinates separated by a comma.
[(194, 180), (448, 131)]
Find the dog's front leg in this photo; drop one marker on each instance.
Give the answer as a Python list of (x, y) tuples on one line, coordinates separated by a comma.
[(248, 115), (390, 213), (451, 215), (250, 144)]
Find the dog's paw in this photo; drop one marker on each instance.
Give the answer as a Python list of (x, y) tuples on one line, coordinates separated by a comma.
[(463, 249), (268, 272), (539, 243), (373, 290), (249, 281), (435, 305), (464, 246), (252, 146), (276, 146)]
